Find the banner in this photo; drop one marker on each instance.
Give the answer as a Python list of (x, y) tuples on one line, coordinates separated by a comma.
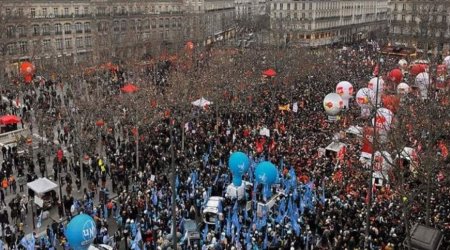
[(367, 148)]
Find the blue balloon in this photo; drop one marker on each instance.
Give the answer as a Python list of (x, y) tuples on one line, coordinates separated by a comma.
[(81, 232), (239, 164), (266, 173)]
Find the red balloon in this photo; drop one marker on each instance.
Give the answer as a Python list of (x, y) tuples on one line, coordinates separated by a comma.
[(417, 69), (396, 75), (391, 102)]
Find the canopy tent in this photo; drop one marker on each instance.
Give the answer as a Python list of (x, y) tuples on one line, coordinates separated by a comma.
[(202, 102), (355, 130), (42, 185), (9, 120), (335, 146)]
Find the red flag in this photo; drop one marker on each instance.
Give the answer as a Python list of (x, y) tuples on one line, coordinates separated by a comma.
[(134, 131), (444, 149), (367, 149)]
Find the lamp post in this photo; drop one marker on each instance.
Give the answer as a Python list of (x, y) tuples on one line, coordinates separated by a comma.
[(372, 158), (33, 214), (60, 193), (174, 188)]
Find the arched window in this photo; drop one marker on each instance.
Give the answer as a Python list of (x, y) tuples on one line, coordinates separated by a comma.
[(58, 29)]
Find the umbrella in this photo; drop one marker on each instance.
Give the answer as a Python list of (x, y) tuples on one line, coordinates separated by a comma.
[(129, 88), (9, 119), (269, 73), (100, 123)]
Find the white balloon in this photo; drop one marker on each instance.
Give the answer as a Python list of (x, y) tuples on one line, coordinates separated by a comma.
[(383, 119), (423, 79), (333, 104), (344, 89), (364, 97), (447, 61), (376, 83), (402, 88), (403, 63)]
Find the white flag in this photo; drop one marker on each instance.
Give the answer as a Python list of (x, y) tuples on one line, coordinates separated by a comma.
[(295, 107)]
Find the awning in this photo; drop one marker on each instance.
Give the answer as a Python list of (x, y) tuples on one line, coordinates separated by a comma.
[(42, 185)]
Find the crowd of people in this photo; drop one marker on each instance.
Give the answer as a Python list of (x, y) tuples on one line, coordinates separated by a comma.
[(325, 197)]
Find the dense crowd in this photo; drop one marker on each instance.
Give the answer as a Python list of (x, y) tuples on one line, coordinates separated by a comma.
[(324, 205)]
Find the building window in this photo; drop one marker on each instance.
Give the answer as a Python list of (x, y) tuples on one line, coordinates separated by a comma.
[(23, 47), (116, 26), (55, 12), (167, 23), (58, 29), (36, 30), (77, 11), (20, 12), (161, 23), (86, 10), (59, 43), (68, 43), (79, 27), (21, 31), (87, 27), (66, 11), (46, 29), (33, 12), (79, 42), (67, 28), (153, 23), (8, 12), (444, 19), (123, 25), (44, 12), (88, 41), (46, 44), (11, 48)]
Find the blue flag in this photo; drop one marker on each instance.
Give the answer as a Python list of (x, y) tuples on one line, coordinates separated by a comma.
[(265, 241), (105, 211), (248, 241), (205, 233), (322, 197), (136, 241), (28, 243), (228, 229), (154, 199)]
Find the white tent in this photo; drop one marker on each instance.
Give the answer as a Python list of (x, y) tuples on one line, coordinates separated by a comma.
[(202, 102), (335, 146), (355, 130), (42, 185)]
